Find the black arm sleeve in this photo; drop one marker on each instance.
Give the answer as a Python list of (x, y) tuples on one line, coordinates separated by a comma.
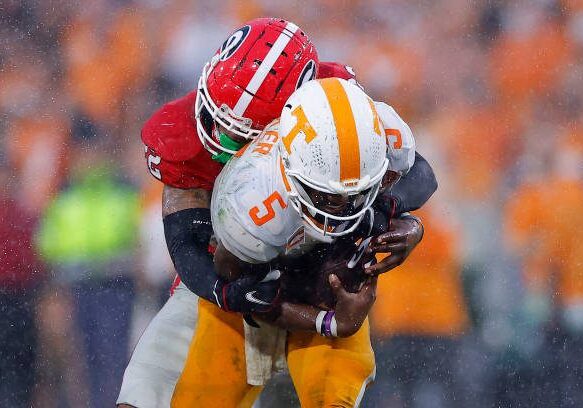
[(411, 191), (187, 235)]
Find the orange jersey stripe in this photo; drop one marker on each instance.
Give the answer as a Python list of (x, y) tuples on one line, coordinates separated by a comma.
[(348, 146)]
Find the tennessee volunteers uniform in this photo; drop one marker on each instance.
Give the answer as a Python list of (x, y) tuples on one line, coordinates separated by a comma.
[(178, 140), (253, 216), (253, 190)]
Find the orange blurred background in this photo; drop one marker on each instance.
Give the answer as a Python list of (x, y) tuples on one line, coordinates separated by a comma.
[(493, 91)]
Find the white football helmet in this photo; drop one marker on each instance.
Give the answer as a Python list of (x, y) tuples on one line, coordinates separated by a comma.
[(334, 150)]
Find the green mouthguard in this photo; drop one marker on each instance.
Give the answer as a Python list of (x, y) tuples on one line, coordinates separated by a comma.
[(227, 143)]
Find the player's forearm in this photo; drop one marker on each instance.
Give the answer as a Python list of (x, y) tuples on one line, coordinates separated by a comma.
[(413, 189), (292, 317), (187, 228), (302, 317), (187, 236)]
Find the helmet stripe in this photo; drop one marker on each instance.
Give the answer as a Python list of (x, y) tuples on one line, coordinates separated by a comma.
[(375, 118), (261, 73), (348, 145)]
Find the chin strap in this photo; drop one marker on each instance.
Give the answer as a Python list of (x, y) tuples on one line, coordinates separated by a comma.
[(227, 143)]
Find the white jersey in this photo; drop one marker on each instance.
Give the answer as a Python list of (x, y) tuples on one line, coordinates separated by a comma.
[(400, 140), (250, 211)]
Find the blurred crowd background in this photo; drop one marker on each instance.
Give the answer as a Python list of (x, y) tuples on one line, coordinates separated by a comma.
[(488, 310)]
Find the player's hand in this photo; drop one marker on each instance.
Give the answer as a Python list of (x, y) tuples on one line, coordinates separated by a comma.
[(250, 294), (352, 308), (402, 237)]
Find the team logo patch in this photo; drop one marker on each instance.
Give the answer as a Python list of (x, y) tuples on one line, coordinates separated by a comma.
[(308, 73), (233, 43)]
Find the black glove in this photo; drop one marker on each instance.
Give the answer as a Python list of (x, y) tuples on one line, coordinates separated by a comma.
[(249, 294)]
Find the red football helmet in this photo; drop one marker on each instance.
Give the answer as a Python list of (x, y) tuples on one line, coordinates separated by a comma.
[(248, 80)]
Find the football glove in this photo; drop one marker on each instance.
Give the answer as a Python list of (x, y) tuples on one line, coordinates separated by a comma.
[(249, 294)]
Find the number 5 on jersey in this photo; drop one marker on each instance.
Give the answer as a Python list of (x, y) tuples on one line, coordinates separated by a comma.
[(270, 212)]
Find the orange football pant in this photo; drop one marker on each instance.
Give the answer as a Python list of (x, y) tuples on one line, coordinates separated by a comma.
[(325, 372)]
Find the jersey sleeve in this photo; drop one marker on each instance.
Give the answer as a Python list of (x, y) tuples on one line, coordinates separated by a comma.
[(400, 140), (173, 151)]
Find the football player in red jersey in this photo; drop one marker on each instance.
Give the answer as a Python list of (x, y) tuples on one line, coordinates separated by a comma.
[(240, 91)]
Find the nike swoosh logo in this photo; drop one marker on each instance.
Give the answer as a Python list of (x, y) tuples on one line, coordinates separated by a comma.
[(249, 296)]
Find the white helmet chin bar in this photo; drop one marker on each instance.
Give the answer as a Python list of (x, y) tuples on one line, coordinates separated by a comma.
[(299, 198), (222, 115)]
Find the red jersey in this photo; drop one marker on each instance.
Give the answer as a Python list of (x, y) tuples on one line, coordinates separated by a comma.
[(174, 152)]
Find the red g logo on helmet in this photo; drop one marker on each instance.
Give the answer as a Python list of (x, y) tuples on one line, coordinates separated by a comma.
[(232, 44), (246, 83)]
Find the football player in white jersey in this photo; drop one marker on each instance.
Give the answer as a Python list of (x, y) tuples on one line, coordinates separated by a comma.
[(309, 178), (312, 176)]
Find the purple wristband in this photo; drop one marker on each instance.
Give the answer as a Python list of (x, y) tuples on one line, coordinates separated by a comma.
[(326, 324)]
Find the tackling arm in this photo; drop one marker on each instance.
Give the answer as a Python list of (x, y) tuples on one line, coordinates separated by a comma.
[(188, 230), (350, 309), (285, 315), (411, 191), (406, 231)]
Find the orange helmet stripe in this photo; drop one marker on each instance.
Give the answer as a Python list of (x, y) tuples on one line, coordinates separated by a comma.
[(348, 146), (375, 118)]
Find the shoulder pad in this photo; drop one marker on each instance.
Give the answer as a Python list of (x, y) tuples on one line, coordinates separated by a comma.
[(335, 69), (171, 131), (400, 140)]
